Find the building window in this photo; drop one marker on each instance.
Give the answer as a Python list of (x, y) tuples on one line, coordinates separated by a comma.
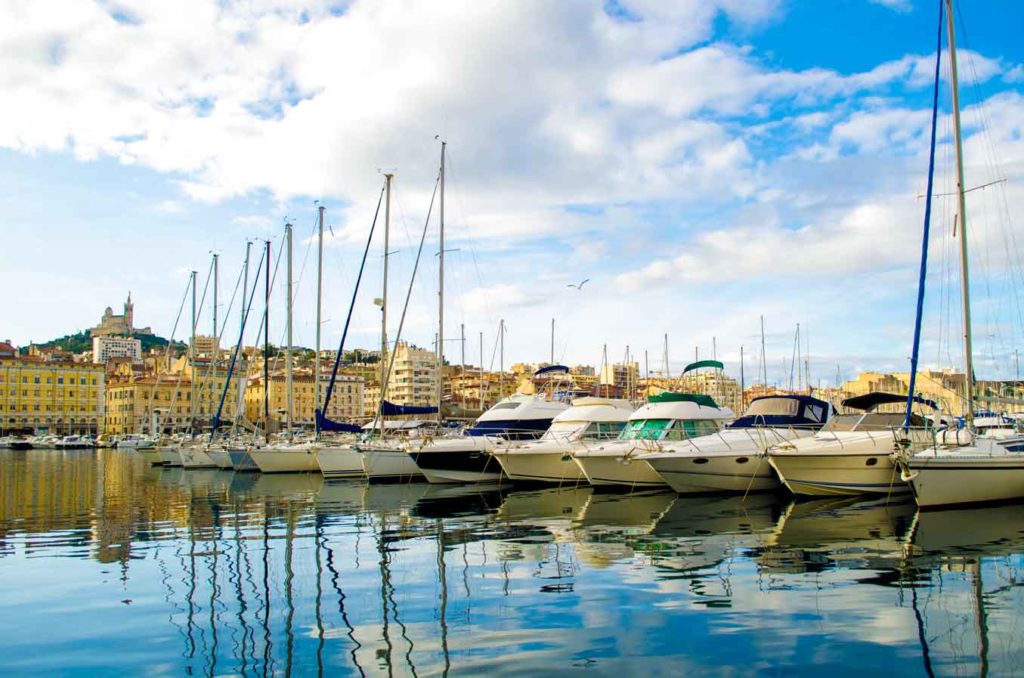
[(60, 380)]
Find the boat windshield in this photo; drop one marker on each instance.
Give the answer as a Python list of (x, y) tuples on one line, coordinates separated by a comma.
[(563, 430), (669, 429), (842, 422), (786, 407), (602, 430), (644, 429), (870, 421)]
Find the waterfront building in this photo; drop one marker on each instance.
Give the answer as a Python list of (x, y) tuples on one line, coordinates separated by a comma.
[(205, 346), (347, 400), (60, 397), (119, 325), (132, 404), (105, 349)]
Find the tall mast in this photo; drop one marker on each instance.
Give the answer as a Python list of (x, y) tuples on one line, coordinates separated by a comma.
[(481, 384), (743, 385), (552, 341), (384, 301), (288, 349), (319, 293), (215, 258), (440, 298), (266, 348), (764, 358), (243, 372), (501, 359), (192, 361), (965, 285)]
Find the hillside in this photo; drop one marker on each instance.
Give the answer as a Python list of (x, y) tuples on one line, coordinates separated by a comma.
[(81, 341)]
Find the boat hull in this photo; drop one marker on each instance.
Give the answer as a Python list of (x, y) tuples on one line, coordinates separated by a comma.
[(457, 466), (388, 464), (617, 470), (241, 460), (170, 455), (340, 462), (541, 467), (220, 457), (938, 482), (688, 474), (196, 457), (832, 475), (286, 460)]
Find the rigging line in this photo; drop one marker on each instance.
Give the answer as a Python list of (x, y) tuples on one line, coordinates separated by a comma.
[(450, 177), (167, 354), (351, 307), (925, 237), (408, 295)]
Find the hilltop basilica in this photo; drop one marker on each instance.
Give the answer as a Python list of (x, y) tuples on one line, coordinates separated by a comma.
[(118, 325)]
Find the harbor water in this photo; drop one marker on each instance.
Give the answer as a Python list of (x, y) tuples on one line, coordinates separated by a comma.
[(110, 567)]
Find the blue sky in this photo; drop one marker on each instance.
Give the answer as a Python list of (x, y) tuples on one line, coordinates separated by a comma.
[(703, 164)]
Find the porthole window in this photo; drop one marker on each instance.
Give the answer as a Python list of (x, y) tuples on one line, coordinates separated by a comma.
[(871, 461), (742, 460), (700, 460)]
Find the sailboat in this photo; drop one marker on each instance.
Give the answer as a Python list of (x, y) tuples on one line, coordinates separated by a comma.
[(962, 467), (289, 456)]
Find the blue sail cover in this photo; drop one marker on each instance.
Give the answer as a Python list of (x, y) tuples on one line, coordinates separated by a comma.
[(325, 424), (390, 409)]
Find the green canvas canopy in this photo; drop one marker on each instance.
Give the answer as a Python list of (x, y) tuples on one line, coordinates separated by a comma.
[(703, 363)]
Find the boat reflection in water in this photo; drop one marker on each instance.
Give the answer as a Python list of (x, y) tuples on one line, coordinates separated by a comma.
[(221, 573)]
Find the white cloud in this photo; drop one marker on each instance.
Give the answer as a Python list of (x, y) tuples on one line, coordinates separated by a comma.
[(902, 6)]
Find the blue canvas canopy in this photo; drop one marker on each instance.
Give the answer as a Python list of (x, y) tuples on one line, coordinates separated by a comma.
[(325, 424), (389, 409), (551, 369)]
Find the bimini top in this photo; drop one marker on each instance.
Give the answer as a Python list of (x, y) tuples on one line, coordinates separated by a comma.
[(517, 417), (870, 401), (784, 411), (681, 406), (551, 369), (596, 409), (669, 397)]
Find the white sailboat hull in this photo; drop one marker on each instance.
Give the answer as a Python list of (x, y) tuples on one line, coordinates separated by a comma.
[(220, 457), (170, 455), (285, 460), (388, 464), (340, 462), (241, 460), (196, 457)]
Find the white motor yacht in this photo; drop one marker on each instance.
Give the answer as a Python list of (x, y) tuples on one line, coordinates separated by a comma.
[(467, 458), (666, 418), (733, 459), (851, 454), (549, 460)]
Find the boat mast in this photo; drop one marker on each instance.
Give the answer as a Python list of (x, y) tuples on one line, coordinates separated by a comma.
[(481, 382), (215, 258), (501, 359), (288, 349), (384, 302), (962, 207), (319, 293), (243, 372), (440, 299), (266, 349), (192, 362)]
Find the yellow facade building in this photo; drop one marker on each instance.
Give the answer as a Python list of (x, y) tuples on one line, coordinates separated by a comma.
[(346, 399), (132, 404), (59, 397)]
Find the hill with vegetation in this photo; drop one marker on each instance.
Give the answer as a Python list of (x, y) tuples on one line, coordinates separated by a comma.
[(82, 341)]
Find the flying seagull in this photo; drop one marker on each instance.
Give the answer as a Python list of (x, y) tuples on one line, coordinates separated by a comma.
[(580, 284)]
